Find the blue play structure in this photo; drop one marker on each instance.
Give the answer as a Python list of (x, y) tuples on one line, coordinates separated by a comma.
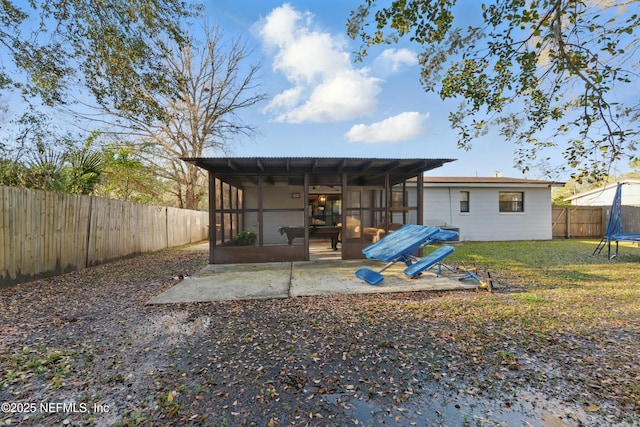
[(398, 246), (614, 233), (402, 244)]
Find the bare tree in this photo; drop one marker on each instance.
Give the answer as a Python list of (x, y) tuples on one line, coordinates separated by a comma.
[(215, 84), (215, 89)]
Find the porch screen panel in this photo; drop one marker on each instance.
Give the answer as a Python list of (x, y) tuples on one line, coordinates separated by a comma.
[(283, 227), (229, 214), (353, 227), (282, 210), (403, 205)]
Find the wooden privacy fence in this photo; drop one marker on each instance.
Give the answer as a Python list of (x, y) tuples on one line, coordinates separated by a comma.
[(629, 218), (43, 233), (591, 221), (577, 221)]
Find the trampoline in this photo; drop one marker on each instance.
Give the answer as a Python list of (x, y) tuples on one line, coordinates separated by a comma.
[(614, 233)]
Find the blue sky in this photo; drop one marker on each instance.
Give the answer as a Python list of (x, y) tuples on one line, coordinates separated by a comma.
[(323, 104)]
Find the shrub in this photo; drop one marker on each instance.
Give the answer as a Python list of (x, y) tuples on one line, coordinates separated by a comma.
[(246, 238)]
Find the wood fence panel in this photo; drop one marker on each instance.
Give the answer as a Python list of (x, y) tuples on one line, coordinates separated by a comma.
[(151, 228), (98, 228), (176, 225), (577, 221), (44, 233), (559, 221), (186, 226), (4, 234), (585, 221), (591, 221), (73, 232), (630, 218), (113, 231), (199, 226)]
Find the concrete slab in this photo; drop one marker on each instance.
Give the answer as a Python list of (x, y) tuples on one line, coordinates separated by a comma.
[(219, 282), (297, 279), (326, 278)]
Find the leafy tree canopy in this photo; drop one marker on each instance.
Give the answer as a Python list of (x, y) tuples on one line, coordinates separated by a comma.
[(544, 73), (49, 46), (127, 177), (45, 161)]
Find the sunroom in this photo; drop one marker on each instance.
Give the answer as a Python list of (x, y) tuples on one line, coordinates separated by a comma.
[(269, 209)]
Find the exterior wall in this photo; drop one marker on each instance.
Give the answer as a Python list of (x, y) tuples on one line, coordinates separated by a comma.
[(275, 197), (600, 198), (484, 222), (604, 197)]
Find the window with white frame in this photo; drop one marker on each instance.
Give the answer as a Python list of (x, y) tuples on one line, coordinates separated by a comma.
[(511, 201), (464, 201)]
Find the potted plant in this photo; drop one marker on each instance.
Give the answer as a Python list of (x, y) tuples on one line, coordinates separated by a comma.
[(246, 238)]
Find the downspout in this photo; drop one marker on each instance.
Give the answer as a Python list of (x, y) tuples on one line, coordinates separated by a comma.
[(450, 209)]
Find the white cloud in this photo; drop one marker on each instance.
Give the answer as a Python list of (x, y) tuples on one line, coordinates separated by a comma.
[(340, 97), (325, 85), (393, 60), (404, 126), (287, 99)]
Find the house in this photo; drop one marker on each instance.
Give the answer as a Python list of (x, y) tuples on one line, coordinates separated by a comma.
[(490, 208), (603, 196), (266, 209)]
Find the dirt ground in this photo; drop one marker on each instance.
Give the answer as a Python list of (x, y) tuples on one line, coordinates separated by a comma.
[(85, 349)]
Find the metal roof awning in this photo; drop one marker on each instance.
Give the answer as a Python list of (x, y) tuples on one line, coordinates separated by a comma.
[(323, 170)]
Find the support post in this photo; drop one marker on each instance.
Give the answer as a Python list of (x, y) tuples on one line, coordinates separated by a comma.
[(305, 201), (261, 210), (213, 234), (420, 199), (343, 216), (387, 201)]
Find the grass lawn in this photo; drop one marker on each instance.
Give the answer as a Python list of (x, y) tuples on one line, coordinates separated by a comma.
[(556, 285)]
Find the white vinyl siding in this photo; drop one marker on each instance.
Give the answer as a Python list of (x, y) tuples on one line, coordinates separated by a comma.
[(604, 196), (484, 221)]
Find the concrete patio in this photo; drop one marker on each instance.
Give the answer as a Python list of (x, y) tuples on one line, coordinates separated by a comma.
[(219, 282)]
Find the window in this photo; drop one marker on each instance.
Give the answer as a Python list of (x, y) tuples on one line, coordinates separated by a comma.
[(398, 198), (464, 201), (511, 201)]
